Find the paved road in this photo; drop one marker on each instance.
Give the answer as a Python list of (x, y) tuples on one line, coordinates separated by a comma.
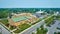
[(33, 28), (53, 29), (4, 31)]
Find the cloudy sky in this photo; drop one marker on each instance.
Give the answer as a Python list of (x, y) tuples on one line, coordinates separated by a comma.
[(29, 3)]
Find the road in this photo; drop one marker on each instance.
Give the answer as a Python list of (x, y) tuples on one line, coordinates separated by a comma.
[(4, 31), (53, 29), (27, 31), (33, 27)]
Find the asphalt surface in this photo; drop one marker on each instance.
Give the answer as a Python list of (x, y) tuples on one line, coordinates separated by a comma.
[(53, 28), (27, 31), (4, 31), (33, 28)]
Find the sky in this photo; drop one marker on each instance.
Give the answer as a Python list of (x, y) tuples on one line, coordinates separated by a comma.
[(29, 3)]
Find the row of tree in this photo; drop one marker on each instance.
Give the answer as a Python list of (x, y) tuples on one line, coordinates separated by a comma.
[(48, 21), (41, 30)]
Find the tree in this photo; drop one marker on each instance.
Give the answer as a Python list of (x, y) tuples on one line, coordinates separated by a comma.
[(41, 30), (32, 33), (38, 32), (58, 33)]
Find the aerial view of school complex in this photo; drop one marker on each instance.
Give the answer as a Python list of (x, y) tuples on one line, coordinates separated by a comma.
[(29, 20), (29, 16)]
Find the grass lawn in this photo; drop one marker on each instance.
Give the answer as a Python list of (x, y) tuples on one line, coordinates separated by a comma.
[(25, 26), (4, 21), (49, 20), (0, 33), (22, 27), (12, 27), (41, 30), (37, 21)]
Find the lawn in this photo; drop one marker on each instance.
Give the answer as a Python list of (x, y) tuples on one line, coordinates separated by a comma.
[(4, 21), (22, 27), (25, 26), (58, 17), (12, 27), (48, 21), (37, 21), (0, 33), (41, 30)]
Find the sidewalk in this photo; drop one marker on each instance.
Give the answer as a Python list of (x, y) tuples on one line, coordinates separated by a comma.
[(33, 27)]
